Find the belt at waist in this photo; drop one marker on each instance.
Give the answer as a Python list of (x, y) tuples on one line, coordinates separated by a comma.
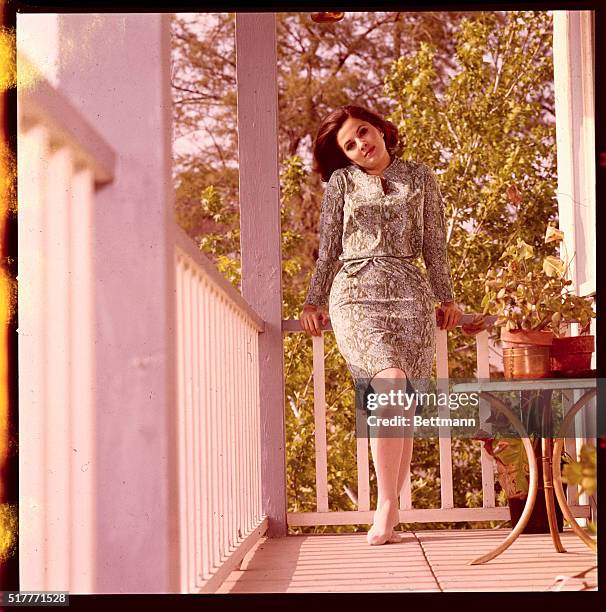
[(352, 266)]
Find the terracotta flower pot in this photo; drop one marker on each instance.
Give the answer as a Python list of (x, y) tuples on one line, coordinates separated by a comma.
[(572, 354), (526, 354), (526, 362), (521, 337)]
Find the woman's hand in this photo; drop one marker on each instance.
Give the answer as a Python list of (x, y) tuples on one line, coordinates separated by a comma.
[(477, 325), (313, 318), (451, 314)]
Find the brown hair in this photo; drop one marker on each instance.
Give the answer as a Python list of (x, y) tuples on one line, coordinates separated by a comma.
[(327, 155)]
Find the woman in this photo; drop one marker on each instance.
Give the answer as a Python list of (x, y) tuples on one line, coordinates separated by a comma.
[(378, 214)]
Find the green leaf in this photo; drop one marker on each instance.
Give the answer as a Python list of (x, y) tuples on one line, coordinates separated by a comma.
[(553, 234), (556, 318), (511, 451), (553, 266), (525, 251)]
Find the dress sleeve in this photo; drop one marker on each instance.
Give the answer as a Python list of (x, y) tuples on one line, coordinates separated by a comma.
[(331, 234), (435, 252)]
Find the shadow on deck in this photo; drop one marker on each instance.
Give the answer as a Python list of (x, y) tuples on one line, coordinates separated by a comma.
[(423, 561)]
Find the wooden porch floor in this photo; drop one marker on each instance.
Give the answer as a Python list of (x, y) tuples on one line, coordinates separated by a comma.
[(423, 561)]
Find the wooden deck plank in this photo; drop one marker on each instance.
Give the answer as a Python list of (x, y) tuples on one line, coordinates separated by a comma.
[(423, 561), (531, 563), (332, 563)]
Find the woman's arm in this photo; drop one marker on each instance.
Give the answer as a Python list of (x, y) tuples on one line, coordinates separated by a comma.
[(435, 252), (331, 231)]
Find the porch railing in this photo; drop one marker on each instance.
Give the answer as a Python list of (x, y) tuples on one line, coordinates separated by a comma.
[(447, 512), (218, 418), (62, 160)]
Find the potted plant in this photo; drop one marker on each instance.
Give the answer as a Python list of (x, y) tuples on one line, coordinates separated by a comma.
[(570, 355), (513, 476), (534, 304), (511, 464)]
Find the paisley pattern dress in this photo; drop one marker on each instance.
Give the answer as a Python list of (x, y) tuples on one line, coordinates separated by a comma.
[(381, 305)]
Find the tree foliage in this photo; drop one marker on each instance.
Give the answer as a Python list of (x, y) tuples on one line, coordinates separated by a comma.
[(488, 127)]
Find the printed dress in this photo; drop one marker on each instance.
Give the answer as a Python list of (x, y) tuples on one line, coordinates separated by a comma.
[(381, 305)]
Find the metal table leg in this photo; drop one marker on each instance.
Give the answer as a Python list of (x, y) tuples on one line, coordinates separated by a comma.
[(557, 477), (533, 483), (548, 489), (546, 458)]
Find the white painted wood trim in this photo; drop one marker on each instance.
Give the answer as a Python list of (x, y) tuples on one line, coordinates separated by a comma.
[(294, 325), (406, 492), (573, 83), (181, 417), (197, 424), (235, 558), (33, 415), (320, 424), (82, 418), (363, 468), (217, 439), (41, 103), (444, 440), (220, 283), (261, 254), (59, 365), (486, 461), (587, 288), (587, 168), (57, 470), (420, 515)]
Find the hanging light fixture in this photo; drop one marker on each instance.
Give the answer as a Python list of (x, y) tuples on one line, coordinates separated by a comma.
[(327, 17)]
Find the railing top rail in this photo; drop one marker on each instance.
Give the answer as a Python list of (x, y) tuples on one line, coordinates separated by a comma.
[(187, 245), (294, 325), (40, 102)]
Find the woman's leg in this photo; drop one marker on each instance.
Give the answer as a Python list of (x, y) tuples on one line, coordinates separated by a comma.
[(391, 452), (404, 470), (405, 462)]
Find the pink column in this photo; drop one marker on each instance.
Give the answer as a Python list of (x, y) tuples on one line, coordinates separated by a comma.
[(115, 69), (260, 240)]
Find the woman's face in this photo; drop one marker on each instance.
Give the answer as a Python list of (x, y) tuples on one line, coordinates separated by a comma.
[(363, 143)]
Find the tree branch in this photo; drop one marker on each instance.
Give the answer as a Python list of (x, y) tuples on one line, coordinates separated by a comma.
[(356, 42)]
